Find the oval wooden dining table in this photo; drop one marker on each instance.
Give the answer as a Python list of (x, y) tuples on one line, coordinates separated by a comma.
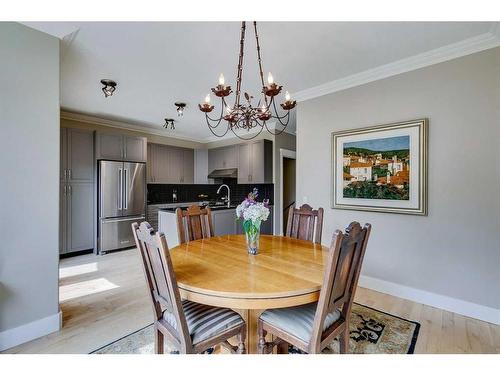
[(218, 271)]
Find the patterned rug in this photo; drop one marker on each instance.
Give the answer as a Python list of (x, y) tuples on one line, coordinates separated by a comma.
[(372, 332)]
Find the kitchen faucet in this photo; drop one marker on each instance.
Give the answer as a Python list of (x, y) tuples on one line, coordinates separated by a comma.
[(228, 194)]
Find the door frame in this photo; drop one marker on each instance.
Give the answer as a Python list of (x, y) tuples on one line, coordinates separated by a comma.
[(290, 154)]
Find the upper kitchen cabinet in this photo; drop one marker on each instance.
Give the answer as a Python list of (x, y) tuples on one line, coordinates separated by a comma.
[(188, 169), (255, 162), (114, 146), (170, 165), (77, 155), (223, 158), (135, 148)]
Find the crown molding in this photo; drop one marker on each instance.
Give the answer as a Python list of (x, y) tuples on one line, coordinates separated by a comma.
[(128, 125), (495, 29), (465, 47)]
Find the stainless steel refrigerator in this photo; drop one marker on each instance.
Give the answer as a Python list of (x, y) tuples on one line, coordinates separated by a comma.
[(122, 201)]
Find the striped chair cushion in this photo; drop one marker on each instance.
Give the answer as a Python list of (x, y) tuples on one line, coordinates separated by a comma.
[(205, 321), (297, 321)]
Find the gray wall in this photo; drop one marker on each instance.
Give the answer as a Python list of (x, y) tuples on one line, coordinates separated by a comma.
[(455, 250), (29, 189)]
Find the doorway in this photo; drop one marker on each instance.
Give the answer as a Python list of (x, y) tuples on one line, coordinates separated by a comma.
[(288, 178)]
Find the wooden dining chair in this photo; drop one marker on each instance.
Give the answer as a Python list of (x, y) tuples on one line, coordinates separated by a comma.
[(312, 327), (304, 223), (194, 222), (190, 327)]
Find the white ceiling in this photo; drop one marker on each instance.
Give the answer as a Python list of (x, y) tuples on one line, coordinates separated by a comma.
[(156, 64)]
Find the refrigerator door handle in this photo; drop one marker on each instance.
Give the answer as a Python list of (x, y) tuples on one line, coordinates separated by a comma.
[(125, 188), (120, 188)]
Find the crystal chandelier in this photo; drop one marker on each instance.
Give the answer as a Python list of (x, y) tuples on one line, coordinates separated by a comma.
[(243, 115)]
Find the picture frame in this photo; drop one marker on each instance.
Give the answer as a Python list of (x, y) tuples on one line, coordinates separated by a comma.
[(381, 168)]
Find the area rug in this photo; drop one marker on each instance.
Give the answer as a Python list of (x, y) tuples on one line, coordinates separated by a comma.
[(371, 332)]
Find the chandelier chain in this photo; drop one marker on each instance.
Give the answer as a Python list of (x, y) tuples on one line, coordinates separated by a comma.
[(240, 64), (260, 60)]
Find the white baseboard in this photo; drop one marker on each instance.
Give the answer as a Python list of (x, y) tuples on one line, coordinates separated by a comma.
[(30, 331), (470, 309)]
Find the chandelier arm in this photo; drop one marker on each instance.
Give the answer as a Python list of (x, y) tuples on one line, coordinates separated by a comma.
[(215, 120), (260, 60), (248, 138), (279, 118), (240, 63), (214, 133), (275, 133)]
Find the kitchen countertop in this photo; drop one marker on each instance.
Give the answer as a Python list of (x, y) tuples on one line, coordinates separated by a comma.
[(213, 208)]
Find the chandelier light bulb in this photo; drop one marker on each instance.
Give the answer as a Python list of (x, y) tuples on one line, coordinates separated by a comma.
[(228, 109), (270, 78), (287, 96), (207, 99), (221, 79)]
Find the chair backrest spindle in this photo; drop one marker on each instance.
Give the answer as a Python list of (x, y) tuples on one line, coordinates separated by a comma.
[(194, 223), (305, 223)]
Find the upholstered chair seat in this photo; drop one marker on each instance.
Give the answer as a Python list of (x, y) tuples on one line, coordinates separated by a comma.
[(205, 322), (298, 320)]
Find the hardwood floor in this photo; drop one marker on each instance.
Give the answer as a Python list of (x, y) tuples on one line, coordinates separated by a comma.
[(104, 298)]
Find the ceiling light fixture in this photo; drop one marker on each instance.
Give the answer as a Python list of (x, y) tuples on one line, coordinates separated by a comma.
[(180, 108), (169, 122), (109, 87), (245, 116)]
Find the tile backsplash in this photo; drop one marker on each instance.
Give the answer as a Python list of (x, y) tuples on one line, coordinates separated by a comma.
[(162, 193)]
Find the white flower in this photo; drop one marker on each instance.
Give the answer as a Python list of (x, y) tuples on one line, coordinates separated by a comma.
[(255, 212)]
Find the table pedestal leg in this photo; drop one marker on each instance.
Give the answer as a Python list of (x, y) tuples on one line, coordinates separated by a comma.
[(251, 317)]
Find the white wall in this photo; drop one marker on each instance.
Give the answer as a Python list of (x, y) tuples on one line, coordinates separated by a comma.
[(454, 251), (29, 188)]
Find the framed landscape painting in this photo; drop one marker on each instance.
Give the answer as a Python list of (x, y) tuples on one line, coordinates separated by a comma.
[(381, 168)]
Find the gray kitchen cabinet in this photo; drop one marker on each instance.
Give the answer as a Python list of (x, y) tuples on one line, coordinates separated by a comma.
[(76, 199), (161, 164), (63, 152), (188, 166), (255, 162), (223, 158), (175, 165), (80, 227), (224, 222), (170, 165), (244, 167), (63, 218), (150, 173), (115, 146), (80, 155), (134, 148), (109, 146)]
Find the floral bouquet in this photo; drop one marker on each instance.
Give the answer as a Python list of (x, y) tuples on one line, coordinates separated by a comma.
[(252, 213)]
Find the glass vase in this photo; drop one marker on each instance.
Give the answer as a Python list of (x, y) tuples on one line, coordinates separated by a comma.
[(253, 236)]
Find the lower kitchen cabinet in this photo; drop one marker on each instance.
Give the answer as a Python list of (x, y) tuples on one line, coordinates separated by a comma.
[(224, 222), (76, 217)]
